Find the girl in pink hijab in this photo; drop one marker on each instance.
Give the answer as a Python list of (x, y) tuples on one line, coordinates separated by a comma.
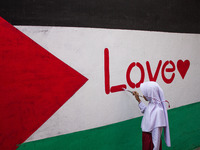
[(155, 117)]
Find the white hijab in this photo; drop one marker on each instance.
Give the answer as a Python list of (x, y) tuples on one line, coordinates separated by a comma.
[(155, 114)]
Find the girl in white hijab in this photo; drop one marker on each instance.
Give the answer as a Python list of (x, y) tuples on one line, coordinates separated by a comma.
[(155, 117)]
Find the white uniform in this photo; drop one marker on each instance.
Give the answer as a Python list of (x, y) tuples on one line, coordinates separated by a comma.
[(156, 132), (155, 114)]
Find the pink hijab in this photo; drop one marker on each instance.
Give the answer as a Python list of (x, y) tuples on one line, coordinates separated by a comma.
[(155, 114)]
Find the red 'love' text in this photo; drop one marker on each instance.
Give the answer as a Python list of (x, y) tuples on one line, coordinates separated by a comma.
[(182, 67)]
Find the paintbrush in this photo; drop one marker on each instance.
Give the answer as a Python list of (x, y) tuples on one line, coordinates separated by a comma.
[(130, 92)]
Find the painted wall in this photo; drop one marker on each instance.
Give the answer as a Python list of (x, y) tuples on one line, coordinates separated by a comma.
[(110, 45), (127, 134)]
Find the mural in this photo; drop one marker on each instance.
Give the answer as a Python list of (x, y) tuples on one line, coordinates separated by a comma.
[(63, 72)]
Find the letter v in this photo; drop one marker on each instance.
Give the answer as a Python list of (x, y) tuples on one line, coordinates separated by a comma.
[(151, 77)]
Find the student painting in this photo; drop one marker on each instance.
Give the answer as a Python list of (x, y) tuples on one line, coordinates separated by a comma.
[(155, 117)]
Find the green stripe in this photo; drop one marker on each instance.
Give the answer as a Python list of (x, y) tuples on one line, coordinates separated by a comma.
[(184, 129)]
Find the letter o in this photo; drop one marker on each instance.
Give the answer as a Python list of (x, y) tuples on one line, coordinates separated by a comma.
[(130, 83)]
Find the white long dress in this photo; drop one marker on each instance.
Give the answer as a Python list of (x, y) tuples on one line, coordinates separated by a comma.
[(155, 114), (156, 132)]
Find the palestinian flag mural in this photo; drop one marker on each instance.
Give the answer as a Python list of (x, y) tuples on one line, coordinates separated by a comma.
[(64, 64)]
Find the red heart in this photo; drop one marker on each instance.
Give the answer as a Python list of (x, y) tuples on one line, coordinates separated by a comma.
[(183, 67)]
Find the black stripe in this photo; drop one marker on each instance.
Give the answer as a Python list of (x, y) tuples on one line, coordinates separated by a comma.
[(154, 15)]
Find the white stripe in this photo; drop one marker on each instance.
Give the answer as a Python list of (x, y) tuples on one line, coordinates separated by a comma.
[(83, 50)]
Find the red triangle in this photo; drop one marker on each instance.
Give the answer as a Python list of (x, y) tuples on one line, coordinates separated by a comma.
[(34, 85)]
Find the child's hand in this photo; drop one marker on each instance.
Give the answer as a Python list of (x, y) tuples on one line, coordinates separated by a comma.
[(136, 94)]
